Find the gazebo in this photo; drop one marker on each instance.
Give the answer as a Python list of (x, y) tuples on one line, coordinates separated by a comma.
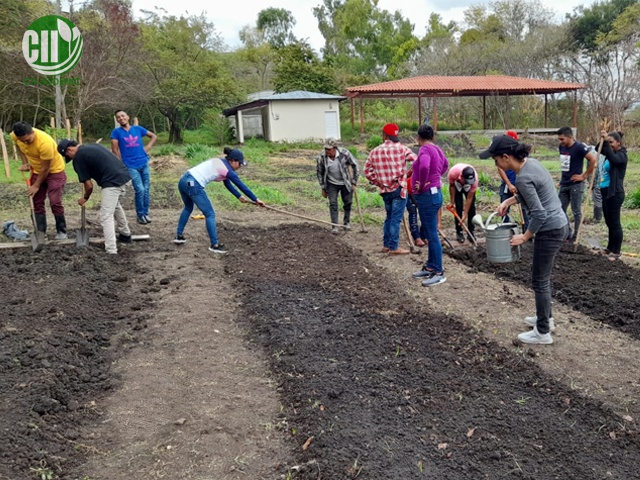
[(444, 87)]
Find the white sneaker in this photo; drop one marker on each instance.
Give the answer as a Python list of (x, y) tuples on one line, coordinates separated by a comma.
[(535, 338), (533, 321), (61, 236)]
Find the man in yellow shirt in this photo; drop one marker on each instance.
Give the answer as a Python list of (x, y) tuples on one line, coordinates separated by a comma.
[(40, 155)]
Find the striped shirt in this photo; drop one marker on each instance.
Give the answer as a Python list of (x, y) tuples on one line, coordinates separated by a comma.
[(386, 166)]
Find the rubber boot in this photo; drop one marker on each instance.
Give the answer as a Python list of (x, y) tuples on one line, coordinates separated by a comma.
[(41, 222), (597, 214), (61, 227)]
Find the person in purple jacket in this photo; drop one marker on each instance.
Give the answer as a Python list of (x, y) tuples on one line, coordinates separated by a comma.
[(428, 169), (192, 190), (127, 145)]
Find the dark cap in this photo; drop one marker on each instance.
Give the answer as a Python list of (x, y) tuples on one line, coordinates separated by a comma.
[(391, 130), (499, 145), (469, 175), (237, 155), (62, 148)]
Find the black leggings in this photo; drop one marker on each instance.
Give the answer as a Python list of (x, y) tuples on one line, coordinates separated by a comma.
[(611, 208)]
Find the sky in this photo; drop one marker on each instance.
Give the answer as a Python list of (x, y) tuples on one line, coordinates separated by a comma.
[(229, 18)]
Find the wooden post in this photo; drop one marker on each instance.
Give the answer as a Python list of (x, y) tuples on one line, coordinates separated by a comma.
[(52, 122), (68, 122), (353, 124), (435, 114), (361, 115), (5, 155), (80, 133), (15, 152), (484, 112), (135, 121), (575, 109), (506, 117), (545, 110), (420, 110)]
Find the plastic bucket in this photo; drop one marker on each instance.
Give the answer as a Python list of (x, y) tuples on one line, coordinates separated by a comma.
[(498, 235)]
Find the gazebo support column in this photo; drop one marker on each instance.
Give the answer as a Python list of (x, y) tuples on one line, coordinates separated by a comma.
[(419, 109), (506, 116), (484, 112), (353, 122), (435, 113), (361, 115), (546, 111), (240, 127), (575, 109)]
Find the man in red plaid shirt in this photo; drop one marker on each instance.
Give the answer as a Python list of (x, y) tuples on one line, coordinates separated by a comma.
[(386, 169)]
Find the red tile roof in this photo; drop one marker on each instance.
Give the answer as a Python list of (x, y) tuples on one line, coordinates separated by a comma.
[(462, 86)]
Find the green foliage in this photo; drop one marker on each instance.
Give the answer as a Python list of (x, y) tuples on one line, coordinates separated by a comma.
[(298, 68), (218, 126), (588, 23), (633, 199), (487, 181), (269, 195), (369, 199), (374, 141), (276, 24), (164, 150)]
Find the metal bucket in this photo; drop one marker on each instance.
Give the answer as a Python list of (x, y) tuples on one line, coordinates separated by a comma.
[(498, 235)]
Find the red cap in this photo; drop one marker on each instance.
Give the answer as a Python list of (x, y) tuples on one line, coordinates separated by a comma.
[(391, 130), (512, 133)]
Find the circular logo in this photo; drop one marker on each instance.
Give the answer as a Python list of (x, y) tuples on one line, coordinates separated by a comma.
[(52, 45)]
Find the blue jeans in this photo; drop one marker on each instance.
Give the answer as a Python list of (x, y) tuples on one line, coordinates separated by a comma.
[(394, 205), (141, 184), (572, 194), (545, 247), (428, 207), (193, 193), (416, 231)]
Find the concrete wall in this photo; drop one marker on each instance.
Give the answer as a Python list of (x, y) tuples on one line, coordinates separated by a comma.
[(293, 121)]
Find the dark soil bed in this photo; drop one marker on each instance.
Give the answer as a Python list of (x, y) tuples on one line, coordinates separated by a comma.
[(603, 290), (378, 387)]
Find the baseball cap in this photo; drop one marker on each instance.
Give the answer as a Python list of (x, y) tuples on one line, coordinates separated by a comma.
[(331, 143), (62, 148), (391, 130), (236, 154), (512, 133), (499, 145), (469, 175)]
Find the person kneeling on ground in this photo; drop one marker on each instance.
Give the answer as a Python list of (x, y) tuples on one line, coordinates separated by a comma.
[(192, 190), (93, 162), (548, 225)]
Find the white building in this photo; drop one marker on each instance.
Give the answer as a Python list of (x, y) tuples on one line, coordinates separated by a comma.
[(288, 117)]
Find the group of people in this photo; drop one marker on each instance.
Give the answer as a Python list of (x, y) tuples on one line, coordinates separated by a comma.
[(524, 181)]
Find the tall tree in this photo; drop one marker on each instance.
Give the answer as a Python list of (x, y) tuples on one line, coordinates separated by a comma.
[(182, 57), (276, 25), (299, 68)]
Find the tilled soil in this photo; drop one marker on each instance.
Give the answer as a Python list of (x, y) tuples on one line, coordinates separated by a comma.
[(379, 387), (373, 385), (604, 290)]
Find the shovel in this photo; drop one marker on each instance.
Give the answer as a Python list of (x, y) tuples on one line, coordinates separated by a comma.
[(37, 237), (82, 235), (595, 244), (407, 230), (464, 227)]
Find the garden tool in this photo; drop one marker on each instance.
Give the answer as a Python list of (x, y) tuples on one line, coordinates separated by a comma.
[(605, 126), (521, 217), (477, 221), (82, 235), (37, 238), (355, 194), (595, 244), (300, 216), (412, 246), (445, 239), (464, 227)]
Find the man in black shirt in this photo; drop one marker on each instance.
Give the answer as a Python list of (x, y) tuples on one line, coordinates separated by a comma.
[(93, 162), (572, 182)]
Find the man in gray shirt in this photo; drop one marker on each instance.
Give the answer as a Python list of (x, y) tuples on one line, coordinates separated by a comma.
[(337, 172)]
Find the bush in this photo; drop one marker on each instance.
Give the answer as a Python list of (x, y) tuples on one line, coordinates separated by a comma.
[(218, 126), (374, 141), (194, 150), (633, 200)]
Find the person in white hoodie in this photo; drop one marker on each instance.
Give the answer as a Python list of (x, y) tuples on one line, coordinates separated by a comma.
[(192, 190)]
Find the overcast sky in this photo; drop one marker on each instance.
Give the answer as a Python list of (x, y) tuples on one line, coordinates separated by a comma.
[(229, 18)]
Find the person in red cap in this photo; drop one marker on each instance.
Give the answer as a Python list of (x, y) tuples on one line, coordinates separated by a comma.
[(386, 169)]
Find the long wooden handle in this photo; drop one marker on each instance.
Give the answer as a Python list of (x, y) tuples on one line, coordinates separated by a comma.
[(301, 216), (407, 230), (455, 214)]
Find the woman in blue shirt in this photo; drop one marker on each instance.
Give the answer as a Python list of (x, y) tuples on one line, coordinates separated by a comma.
[(192, 190), (614, 169)]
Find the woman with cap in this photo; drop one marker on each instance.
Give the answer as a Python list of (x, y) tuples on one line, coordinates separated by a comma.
[(548, 225), (192, 190), (463, 183), (614, 169)]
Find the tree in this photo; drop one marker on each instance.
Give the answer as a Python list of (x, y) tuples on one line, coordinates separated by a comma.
[(298, 68), (276, 25), (182, 56)]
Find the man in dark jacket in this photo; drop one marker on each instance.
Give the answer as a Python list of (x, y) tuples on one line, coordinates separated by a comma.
[(93, 162), (333, 168)]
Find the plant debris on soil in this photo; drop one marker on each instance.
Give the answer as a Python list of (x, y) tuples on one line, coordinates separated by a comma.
[(374, 385)]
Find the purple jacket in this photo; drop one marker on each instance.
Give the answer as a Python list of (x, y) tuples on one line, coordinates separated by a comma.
[(430, 166)]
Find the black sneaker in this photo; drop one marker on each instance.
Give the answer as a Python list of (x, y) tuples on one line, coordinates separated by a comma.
[(218, 249), (142, 220), (460, 237), (124, 238), (179, 239)]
